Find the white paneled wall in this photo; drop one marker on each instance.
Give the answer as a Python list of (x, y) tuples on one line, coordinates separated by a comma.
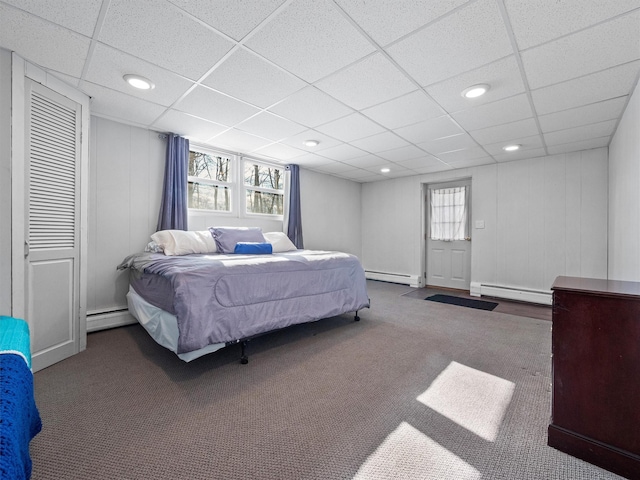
[(542, 218), (624, 195), (126, 169), (331, 213)]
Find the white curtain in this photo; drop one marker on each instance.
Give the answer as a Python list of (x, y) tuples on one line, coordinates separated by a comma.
[(449, 213)]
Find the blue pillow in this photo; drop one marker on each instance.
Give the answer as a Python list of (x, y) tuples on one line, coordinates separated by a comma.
[(227, 237), (253, 248)]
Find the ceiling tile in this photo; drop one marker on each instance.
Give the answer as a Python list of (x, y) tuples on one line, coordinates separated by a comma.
[(310, 160), (448, 144), (405, 110), (439, 127), (193, 128), (108, 66), (380, 142), (577, 146), (538, 21), (403, 153), (155, 31), (502, 76), (368, 82), (496, 113), (356, 174), (46, 44), (468, 38), (421, 162), (610, 44), (312, 30), (366, 161), (311, 107), (270, 126), (351, 127), (205, 103), (461, 155), (251, 79), (593, 88), (526, 143), (389, 21), (520, 155), (297, 141), (472, 162), (443, 167), (395, 170), (505, 132), (577, 134), (121, 107), (238, 141), (342, 152), (231, 17), (574, 117), (77, 15), (335, 167), (279, 151)]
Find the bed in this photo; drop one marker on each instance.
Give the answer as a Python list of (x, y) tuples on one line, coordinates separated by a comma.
[(20, 419), (194, 300)]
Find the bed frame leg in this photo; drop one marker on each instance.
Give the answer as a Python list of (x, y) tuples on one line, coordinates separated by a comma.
[(357, 318), (243, 357)]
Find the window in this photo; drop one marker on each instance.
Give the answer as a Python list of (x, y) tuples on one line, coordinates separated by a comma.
[(264, 188), (449, 213), (210, 181)]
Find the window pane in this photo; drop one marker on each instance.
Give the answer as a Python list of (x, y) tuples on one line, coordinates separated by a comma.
[(448, 214), (266, 203), (211, 167), (257, 175), (209, 197)]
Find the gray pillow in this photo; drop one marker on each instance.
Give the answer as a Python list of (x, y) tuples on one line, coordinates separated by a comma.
[(227, 237)]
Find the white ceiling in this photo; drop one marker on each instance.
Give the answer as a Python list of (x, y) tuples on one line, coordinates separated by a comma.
[(376, 82)]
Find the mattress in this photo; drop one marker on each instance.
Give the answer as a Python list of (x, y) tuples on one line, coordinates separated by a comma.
[(218, 298)]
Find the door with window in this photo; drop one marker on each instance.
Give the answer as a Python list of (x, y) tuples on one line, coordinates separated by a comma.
[(448, 258)]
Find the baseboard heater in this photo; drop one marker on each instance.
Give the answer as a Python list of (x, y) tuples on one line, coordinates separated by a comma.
[(543, 297), (103, 319), (411, 280)]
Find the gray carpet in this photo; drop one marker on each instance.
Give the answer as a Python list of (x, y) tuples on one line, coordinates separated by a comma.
[(414, 390)]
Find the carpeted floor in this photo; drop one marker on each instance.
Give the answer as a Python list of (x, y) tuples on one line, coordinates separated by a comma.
[(415, 390)]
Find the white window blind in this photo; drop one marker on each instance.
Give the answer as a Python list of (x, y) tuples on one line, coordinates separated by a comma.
[(449, 213)]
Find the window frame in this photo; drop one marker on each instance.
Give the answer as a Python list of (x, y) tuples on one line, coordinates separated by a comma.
[(244, 188), (232, 184)]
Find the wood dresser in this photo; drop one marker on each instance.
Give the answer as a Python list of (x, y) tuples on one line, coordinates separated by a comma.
[(595, 410)]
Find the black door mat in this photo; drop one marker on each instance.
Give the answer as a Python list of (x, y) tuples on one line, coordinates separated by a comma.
[(463, 302)]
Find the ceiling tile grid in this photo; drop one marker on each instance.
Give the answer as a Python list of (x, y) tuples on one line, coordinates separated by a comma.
[(377, 84)]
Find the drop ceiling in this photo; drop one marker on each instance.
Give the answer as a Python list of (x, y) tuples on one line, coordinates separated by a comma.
[(377, 83)]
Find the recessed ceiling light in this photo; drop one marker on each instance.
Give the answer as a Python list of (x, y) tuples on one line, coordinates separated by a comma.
[(137, 81), (385, 170), (311, 143), (475, 90), (511, 148)]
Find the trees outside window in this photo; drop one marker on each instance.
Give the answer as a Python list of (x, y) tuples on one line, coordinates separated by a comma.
[(210, 181), (264, 189)]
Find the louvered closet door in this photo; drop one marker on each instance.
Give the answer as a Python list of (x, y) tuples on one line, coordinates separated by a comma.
[(52, 250)]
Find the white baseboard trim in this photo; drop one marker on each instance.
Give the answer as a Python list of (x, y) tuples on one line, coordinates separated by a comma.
[(101, 321), (543, 297), (411, 280)]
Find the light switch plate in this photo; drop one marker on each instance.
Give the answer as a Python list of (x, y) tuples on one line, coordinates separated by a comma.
[(479, 224)]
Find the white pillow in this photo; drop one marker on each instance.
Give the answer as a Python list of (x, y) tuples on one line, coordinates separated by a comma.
[(180, 242), (279, 242)]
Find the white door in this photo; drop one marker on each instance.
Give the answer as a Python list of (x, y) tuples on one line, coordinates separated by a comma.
[(52, 224), (448, 258)]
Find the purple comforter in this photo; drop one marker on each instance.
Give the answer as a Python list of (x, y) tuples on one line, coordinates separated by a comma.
[(221, 298)]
